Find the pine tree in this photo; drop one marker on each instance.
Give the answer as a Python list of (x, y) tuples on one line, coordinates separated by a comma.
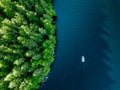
[(27, 40)]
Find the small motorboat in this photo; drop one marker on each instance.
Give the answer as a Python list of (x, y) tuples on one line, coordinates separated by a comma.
[(83, 59)]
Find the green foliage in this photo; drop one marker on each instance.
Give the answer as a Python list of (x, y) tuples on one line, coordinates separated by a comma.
[(26, 43)]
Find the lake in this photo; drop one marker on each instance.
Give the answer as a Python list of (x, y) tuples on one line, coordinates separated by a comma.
[(86, 28)]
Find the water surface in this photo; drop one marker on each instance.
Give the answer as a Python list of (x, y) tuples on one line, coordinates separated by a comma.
[(80, 33)]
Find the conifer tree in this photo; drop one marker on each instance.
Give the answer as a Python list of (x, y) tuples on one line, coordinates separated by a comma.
[(27, 40)]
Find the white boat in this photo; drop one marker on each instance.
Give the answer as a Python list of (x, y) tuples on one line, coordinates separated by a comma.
[(83, 59)]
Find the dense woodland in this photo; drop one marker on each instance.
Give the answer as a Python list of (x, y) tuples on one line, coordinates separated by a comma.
[(27, 41)]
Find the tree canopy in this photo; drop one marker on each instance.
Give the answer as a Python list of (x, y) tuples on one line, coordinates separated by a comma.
[(27, 40)]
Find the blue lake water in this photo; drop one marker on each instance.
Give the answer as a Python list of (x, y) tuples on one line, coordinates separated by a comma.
[(83, 30)]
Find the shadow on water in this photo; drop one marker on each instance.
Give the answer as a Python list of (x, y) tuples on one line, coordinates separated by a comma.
[(96, 74), (83, 37), (96, 71)]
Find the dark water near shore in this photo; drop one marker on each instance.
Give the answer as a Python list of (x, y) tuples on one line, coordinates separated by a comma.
[(80, 32)]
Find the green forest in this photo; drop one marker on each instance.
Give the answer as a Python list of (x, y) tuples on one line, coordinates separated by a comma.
[(27, 43)]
